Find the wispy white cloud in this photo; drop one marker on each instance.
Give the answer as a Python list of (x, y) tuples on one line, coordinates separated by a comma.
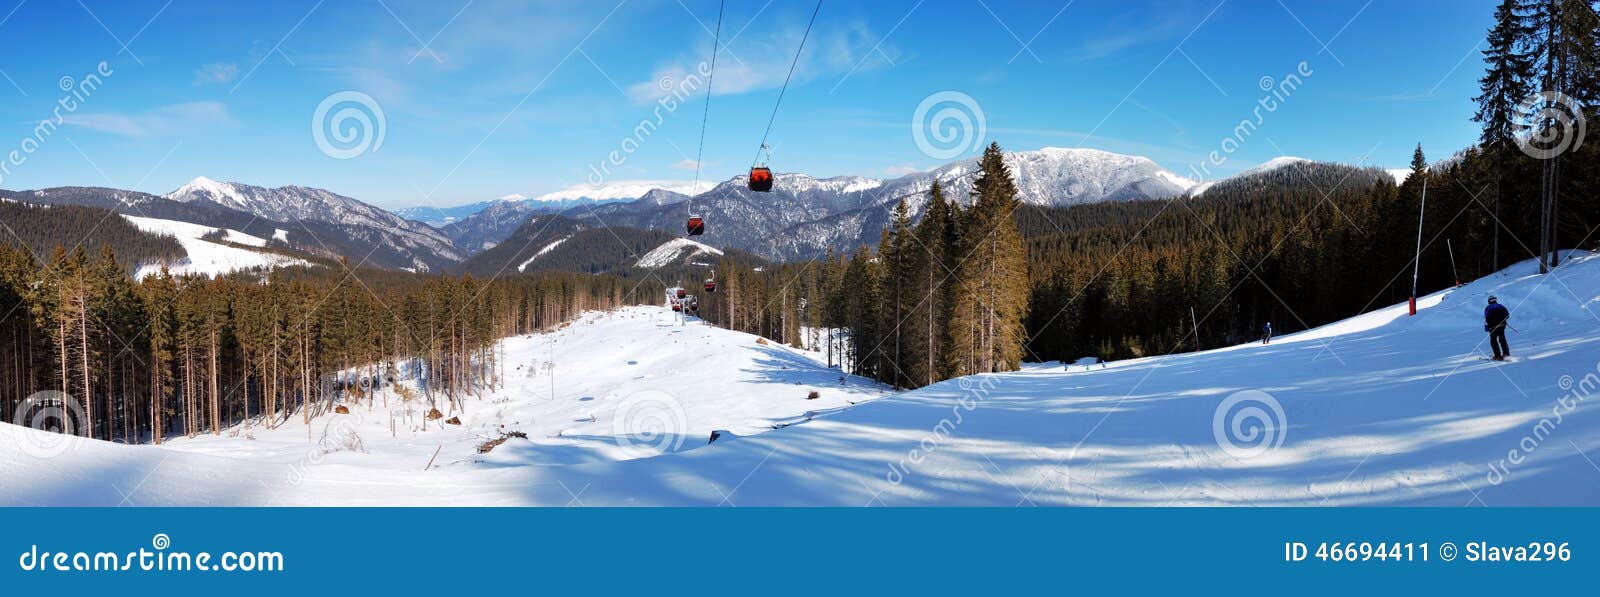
[(216, 73), (1134, 30), (175, 119), (761, 62), (901, 169)]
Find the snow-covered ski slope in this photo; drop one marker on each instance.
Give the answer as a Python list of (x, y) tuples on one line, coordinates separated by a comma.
[(628, 384), (1380, 409), (203, 257)]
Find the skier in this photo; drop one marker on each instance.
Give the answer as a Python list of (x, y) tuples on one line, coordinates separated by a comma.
[(1266, 333), (1494, 321)]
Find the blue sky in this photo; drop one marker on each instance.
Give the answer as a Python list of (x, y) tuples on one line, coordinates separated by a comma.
[(483, 99)]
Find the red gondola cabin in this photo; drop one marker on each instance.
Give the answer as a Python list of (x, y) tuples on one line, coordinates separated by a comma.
[(761, 179), (711, 285), (682, 293), (696, 226)]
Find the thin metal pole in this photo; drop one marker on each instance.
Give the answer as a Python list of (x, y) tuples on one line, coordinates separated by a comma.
[(1416, 264), (1453, 273), (1196, 323)]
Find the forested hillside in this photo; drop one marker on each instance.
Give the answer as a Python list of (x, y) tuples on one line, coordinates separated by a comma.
[(1301, 246), (163, 356), (559, 243), (41, 229)]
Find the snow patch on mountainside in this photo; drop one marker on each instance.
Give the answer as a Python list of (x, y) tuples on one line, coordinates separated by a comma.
[(542, 251), (205, 257), (678, 249)]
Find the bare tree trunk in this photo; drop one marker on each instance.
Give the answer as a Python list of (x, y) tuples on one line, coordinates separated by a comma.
[(216, 397)]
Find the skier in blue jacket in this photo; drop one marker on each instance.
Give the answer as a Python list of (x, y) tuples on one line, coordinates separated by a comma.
[(1495, 317), (1266, 333)]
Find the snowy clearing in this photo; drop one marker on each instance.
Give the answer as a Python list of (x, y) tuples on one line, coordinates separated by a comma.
[(206, 257), (677, 249), (1380, 409)]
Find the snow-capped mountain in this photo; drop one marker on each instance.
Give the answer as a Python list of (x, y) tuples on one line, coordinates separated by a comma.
[(804, 215), (439, 217), (493, 221), (492, 224), (425, 247), (1057, 176), (617, 190)]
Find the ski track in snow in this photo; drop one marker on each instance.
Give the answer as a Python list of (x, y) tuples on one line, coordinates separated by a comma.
[(542, 251), (1379, 409)]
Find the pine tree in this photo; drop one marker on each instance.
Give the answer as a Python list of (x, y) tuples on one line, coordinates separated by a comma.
[(930, 276), (1509, 78), (1504, 87), (859, 290), (991, 288), (897, 256)]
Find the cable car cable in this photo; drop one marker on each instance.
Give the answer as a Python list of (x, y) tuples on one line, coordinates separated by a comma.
[(716, 41), (786, 79)]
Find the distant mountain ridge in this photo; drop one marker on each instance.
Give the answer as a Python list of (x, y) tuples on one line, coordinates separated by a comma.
[(423, 246), (802, 217)]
